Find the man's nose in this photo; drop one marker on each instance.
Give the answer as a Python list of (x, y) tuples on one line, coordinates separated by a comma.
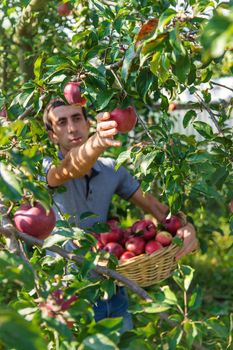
[(71, 126)]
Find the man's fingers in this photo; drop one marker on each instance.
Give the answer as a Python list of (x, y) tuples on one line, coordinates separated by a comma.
[(110, 142), (106, 125), (103, 116)]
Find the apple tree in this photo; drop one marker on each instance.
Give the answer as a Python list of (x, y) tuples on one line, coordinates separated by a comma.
[(142, 54)]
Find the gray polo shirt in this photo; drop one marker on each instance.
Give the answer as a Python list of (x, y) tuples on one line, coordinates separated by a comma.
[(93, 194)]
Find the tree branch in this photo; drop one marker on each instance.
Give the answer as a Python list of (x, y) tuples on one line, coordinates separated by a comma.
[(218, 84), (212, 116), (30, 108), (80, 260)]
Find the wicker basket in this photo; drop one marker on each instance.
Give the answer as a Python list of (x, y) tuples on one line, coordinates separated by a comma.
[(149, 269)]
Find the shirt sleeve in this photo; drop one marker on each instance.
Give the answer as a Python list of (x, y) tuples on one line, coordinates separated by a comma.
[(46, 164), (127, 184)]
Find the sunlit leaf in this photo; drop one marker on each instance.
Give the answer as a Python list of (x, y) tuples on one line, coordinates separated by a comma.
[(17, 333)]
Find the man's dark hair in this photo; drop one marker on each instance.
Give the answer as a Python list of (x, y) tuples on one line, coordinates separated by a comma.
[(56, 102)]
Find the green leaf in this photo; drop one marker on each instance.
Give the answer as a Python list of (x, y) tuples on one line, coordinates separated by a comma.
[(165, 18), (10, 179), (156, 308), (170, 297), (154, 63), (195, 299), (100, 227), (174, 337), (181, 68), (188, 273), (207, 190), (152, 45), (103, 99), (190, 332), (106, 326), (178, 241), (38, 66), (190, 115), (146, 160), (129, 56), (14, 269), (53, 239), (198, 157), (218, 327), (144, 81), (96, 342), (203, 129), (123, 157), (217, 34), (87, 214), (17, 333)]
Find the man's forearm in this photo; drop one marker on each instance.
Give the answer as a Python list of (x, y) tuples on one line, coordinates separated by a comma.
[(150, 204), (78, 162)]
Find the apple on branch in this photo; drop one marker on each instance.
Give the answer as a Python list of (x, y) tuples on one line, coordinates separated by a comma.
[(34, 220), (64, 9), (126, 118), (73, 94)]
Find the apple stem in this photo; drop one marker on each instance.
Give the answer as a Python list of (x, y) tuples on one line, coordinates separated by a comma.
[(119, 82)]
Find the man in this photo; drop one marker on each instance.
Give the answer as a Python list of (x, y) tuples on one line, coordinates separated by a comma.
[(91, 181)]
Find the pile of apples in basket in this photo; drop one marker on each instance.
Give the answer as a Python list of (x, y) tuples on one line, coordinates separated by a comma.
[(143, 237)]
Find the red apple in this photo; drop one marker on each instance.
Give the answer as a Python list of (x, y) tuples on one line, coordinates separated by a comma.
[(112, 236), (126, 256), (114, 248), (152, 246), (3, 113), (125, 118), (35, 221), (172, 224), (66, 303), (56, 306), (58, 296), (73, 94), (114, 222), (99, 245), (126, 234), (64, 9), (135, 245), (146, 227), (164, 238), (172, 106)]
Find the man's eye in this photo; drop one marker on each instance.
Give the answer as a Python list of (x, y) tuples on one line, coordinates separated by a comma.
[(61, 122)]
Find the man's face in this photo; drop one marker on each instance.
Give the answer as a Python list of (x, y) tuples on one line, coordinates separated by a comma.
[(69, 127)]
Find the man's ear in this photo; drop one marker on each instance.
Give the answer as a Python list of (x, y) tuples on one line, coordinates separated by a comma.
[(53, 137)]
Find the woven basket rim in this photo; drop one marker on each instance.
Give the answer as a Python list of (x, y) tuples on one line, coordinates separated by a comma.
[(145, 256)]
